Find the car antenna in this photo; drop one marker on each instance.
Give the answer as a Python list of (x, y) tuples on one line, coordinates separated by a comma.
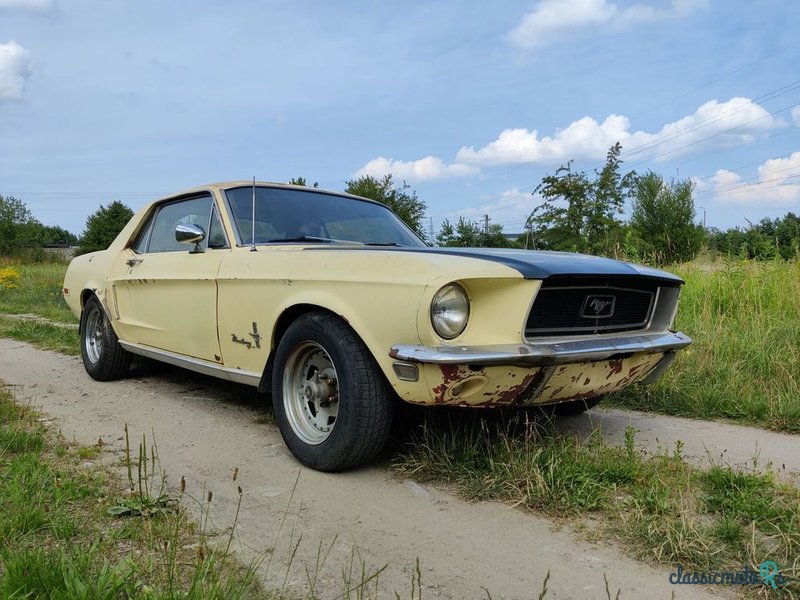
[(253, 228)]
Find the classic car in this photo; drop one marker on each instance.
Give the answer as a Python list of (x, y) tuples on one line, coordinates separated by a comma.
[(331, 303)]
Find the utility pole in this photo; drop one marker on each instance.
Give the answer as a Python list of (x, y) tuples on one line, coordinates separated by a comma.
[(486, 224), (430, 229)]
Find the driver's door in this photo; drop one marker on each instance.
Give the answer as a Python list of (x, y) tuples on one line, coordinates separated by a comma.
[(166, 295)]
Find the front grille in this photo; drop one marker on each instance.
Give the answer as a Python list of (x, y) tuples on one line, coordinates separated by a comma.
[(571, 308)]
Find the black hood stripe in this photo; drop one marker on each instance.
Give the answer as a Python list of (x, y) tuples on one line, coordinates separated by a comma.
[(535, 264)]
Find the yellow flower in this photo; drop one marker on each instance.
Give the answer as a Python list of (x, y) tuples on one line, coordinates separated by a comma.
[(9, 277)]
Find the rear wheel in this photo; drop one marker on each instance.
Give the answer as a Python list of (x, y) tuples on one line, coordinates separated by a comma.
[(333, 405), (103, 357)]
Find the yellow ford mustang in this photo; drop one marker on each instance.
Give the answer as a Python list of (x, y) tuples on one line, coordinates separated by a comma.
[(331, 303)]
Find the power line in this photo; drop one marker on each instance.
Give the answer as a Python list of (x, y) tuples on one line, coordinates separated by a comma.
[(669, 137), (719, 133)]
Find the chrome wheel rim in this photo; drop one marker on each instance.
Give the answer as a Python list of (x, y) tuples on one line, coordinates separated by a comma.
[(310, 393), (93, 335)]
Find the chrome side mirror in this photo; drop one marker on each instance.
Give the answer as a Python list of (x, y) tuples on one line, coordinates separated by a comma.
[(186, 233)]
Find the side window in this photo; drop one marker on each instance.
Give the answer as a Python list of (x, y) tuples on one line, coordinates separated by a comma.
[(216, 236), (195, 211)]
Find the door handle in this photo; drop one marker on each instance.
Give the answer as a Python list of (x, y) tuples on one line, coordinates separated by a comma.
[(132, 262)]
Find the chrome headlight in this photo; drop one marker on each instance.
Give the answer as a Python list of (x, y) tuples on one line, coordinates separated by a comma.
[(450, 311)]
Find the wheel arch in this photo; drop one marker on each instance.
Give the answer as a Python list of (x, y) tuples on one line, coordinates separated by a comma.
[(286, 318)]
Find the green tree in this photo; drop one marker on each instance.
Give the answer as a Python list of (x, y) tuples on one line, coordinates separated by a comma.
[(401, 199), (582, 213), (467, 234), (302, 181), (17, 225), (662, 218), (53, 235), (103, 226)]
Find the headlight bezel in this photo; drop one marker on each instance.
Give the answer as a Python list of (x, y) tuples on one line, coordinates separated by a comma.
[(440, 327)]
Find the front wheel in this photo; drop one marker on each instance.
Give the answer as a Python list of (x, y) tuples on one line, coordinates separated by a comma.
[(333, 405), (103, 357)]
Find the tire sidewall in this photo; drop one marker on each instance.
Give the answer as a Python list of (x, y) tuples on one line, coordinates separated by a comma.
[(101, 369), (325, 330)]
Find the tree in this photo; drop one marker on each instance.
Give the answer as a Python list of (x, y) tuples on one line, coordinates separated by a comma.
[(402, 200), (53, 235), (17, 225), (467, 234), (663, 219), (301, 181), (103, 226), (580, 213), (769, 238)]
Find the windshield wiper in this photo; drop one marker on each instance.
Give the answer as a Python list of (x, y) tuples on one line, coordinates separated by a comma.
[(300, 238), (394, 244)]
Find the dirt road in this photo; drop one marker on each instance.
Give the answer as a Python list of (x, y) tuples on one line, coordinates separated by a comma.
[(205, 428)]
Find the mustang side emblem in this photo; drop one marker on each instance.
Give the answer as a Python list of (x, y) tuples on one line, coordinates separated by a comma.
[(598, 307), (255, 335)]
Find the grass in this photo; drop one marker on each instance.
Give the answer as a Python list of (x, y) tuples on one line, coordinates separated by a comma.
[(37, 290), (658, 506), (744, 364), (60, 538), (42, 335)]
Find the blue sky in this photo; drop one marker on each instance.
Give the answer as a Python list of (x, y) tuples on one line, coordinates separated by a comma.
[(471, 103)]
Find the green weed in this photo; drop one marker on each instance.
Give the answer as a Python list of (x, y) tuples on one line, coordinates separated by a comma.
[(744, 363)]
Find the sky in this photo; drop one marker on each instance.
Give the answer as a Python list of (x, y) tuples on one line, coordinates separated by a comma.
[(470, 103)]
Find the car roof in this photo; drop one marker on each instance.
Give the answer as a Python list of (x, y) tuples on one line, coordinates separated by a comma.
[(227, 185)]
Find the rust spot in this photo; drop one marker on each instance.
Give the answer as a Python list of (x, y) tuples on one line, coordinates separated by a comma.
[(217, 358), (523, 350), (633, 371), (438, 393), (449, 372), (514, 394), (614, 367), (587, 381)]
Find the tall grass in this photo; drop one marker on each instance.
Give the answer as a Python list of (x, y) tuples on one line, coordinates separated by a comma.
[(37, 291), (744, 364)]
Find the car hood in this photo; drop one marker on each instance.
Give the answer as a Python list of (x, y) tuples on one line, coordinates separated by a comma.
[(541, 264)]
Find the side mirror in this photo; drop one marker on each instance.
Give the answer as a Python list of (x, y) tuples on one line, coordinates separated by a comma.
[(186, 233)]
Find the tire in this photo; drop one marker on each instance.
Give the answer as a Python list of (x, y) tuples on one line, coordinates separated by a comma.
[(573, 407), (333, 406), (103, 357)]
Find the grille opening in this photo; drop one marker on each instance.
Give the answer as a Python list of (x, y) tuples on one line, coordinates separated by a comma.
[(576, 307)]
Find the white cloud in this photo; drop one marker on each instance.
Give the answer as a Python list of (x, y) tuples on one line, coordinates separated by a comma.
[(551, 19), (15, 68), (777, 184), (424, 169), (32, 5), (713, 125)]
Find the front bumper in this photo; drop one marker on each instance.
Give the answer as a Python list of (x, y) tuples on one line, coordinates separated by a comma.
[(543, 372), (542, 354)]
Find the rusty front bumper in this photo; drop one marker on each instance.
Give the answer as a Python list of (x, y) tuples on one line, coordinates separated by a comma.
[(540, 373)]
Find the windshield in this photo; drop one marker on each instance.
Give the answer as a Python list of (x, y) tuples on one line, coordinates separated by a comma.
[(287, 215)]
